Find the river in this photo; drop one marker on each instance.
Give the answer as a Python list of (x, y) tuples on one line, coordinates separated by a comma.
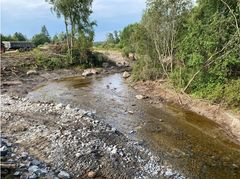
[(193, 145)]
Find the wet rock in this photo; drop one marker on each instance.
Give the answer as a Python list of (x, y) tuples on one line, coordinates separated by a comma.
[(4, 150), (139, 97), (91, 174), (126, 74), (63, 175), (32, 72)]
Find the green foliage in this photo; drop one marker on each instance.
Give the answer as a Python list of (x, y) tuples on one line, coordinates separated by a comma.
[(48, 62), (17, 36), (41, 38), (196, 48)]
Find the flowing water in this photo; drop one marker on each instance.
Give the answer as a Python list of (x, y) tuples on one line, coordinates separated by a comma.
[(193, 145)]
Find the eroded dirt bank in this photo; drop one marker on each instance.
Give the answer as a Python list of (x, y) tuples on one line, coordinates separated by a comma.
[(74, 140), (159, 91)]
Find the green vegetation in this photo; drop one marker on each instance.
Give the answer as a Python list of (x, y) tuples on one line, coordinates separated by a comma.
[(41, 38), (195, 47), (17, 36)]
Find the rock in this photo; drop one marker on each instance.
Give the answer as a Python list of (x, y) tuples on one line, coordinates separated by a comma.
[(63, 175), (10, 83), (68, 107), (139, 97), (35, 162), (105, 65), (91, 174), (33, 169), (131, 56), (114, 150), (33, 176), (126, 74), (41, 172), (17, 173), (89, 72), (32, 72), (130, 112), (24, 155), (78, 155), (4, 150), (160, 120), (59, 106), (132, 132)]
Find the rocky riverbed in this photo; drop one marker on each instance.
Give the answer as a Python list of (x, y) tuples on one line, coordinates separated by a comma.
[(70, 142)]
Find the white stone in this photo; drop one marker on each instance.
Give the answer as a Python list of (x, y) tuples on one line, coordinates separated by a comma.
[(59, 106), (32, 72), (139, 97), (126, 74)]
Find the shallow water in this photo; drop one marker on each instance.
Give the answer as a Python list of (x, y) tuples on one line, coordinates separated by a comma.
[(193, 145)]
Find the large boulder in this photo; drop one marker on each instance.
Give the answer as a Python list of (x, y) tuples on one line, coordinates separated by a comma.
[(126, 74)]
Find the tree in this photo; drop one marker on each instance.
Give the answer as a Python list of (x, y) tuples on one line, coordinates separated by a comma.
[(76, 15), (110, 38), (19, 37), (42, 37), (44, 31)]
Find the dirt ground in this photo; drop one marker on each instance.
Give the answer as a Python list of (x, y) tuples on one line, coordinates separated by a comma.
[(162, 91)]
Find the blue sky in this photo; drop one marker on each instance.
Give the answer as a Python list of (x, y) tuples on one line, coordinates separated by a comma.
[(27, 16)]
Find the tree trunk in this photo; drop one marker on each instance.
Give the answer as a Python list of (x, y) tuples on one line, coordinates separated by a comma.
[(67, 33)]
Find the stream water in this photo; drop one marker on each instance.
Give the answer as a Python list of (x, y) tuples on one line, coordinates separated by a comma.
[(193, 145)]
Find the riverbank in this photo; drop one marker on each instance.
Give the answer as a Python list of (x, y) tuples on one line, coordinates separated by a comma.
[(161, 91)]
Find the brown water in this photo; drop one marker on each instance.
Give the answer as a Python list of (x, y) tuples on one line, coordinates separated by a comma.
[(193, 145)]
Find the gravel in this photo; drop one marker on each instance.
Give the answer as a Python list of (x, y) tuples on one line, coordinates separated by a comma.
[(74, 142)]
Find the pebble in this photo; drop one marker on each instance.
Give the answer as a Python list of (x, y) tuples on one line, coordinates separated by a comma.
[(35, 162), (24, 155), (68, 107), (139, 97), (33, 169), (59, 106), (63, 175), (4, 150), (91, 174)]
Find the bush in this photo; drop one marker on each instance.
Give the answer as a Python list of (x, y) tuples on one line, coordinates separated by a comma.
[(48, 62)]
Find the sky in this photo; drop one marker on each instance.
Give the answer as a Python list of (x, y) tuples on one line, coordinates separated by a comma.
[(27, 16)]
